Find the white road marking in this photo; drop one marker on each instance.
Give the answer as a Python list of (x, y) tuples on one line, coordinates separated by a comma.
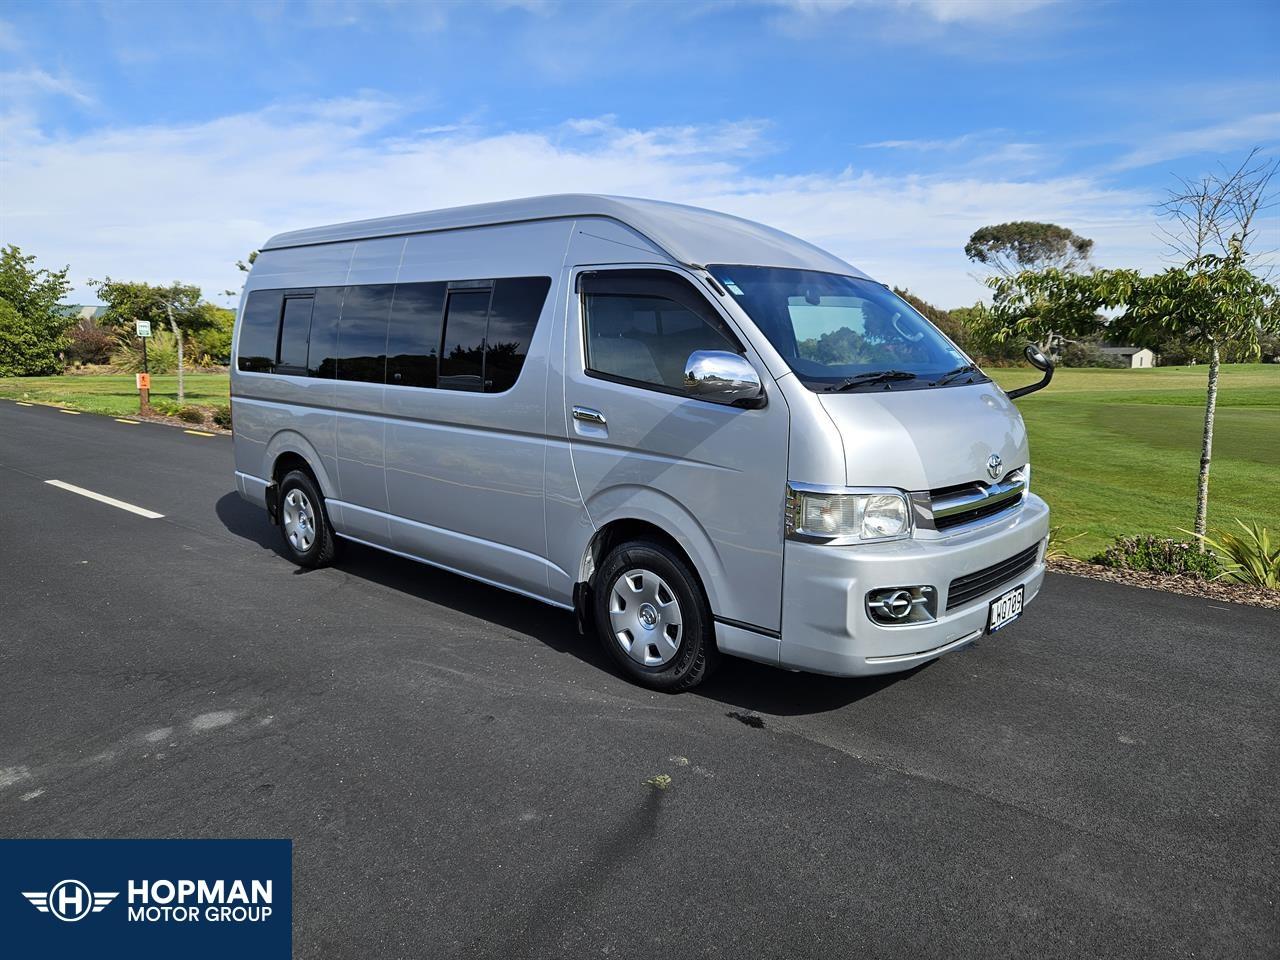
[(74, 413), (23, 403), (118, 420), (112, 501)]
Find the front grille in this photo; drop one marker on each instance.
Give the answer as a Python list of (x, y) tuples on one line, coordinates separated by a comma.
[(956, 506), (973, 585), (988, 509)]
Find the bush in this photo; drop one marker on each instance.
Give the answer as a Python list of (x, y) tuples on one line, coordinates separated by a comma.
[(29, 347), (222, 416), (1249, 558), (1159, 555), (90, 342), (165, 407), (190, 414), (1087, 354), (162, 353)]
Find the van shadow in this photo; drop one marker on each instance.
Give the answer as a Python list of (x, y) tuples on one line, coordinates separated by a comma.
[(738, 683)]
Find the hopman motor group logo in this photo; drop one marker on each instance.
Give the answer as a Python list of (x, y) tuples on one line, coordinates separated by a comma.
[(162, 901), (70, 900)]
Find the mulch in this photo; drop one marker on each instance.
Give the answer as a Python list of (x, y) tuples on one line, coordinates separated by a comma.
[(1223, 590)]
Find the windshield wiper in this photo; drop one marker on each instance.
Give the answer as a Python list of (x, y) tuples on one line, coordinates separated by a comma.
[(952, 374), (867, 379)]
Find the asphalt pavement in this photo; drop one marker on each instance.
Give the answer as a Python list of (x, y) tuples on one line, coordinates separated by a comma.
[(463, 775)]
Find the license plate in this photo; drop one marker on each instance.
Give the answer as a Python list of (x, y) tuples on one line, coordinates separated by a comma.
[(1005, 609)]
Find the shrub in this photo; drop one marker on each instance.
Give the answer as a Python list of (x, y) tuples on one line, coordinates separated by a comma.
[(222, 416), (1249, 557), (162, 353), (1159, 555), (190, 414), (90, 342), (165, 406), (1084, 353)]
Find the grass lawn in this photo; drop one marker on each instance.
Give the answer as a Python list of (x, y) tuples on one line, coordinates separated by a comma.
[(1113, 451), (1117, 451), (113, 394)]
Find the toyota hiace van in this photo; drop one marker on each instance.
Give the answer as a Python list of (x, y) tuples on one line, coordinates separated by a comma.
[(701, 434)]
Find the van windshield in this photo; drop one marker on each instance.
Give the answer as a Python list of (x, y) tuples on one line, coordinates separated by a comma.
[(845, 334)]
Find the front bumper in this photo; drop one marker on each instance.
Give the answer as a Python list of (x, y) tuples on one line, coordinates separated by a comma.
[(825, 626)]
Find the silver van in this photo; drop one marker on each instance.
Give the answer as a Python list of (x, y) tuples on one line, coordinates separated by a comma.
[(703, 435)]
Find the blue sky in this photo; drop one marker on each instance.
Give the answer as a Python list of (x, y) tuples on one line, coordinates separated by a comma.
[(163, 141)]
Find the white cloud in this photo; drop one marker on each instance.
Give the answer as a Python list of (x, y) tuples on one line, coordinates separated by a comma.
[(17, 85), (161, 203), (1214, 138)]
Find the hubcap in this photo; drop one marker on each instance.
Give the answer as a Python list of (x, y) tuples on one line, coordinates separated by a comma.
[(299, 520), (645, 616)]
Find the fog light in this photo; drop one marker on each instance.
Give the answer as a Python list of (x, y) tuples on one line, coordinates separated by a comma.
[(899, 606)]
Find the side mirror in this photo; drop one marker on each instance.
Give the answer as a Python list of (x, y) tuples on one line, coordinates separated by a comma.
[(722, 377), (1038, 359)]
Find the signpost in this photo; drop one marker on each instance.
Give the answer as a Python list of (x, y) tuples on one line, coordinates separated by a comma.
[(144, 378)]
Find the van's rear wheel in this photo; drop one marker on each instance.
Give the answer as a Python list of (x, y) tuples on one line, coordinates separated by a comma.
[(652, 617), (308, 537)]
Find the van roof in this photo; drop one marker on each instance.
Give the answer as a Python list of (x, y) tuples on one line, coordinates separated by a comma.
[(689, 235)]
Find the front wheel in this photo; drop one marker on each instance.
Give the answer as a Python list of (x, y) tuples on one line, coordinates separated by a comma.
[(308, 537), (652, 617)]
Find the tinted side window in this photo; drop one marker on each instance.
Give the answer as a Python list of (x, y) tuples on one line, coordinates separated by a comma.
[(513, 314), (462, 360), (413, 338), (323, 352), (362, 332), (295, 329), (647, 339), (258, 327)]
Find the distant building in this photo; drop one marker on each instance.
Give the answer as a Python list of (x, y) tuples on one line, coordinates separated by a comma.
[(81, 311), (1134, 357)]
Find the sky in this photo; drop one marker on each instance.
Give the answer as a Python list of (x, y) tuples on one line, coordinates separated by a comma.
[(163, 141)]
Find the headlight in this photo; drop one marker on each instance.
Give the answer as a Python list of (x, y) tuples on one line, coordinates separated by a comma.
[(846, 516)]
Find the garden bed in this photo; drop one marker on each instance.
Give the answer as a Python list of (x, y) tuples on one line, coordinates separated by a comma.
[(1223, 590)]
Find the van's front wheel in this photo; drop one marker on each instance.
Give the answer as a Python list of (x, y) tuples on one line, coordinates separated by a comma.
[(652, 617), (303, 521)]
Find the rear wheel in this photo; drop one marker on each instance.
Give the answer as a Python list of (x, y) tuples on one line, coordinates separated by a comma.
[(652, 617), (308, 537)]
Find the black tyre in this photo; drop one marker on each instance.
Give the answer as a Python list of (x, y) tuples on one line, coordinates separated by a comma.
[(652, 617), (304, 523)]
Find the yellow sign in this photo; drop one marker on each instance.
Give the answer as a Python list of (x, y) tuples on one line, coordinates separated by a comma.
[(144, 381)]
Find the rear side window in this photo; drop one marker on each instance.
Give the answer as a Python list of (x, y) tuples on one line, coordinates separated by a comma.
[(295, 329), (413, 337), (259, 325), (513, 314), (362, 333), (642, 326), (322, 351), (462, 360)]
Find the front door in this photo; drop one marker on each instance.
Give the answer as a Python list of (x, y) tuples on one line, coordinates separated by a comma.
[(713, 476)]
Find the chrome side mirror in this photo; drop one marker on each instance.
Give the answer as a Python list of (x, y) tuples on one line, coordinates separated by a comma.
[(722, 377)]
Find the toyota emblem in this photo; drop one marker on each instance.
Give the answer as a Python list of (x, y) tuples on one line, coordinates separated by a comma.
[(994, 463)]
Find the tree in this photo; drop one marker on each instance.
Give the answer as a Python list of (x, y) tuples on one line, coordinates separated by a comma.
[(1212, 302), (176, 305), (1043, 307), (1011, 248), (31, 326), (1206, 215)]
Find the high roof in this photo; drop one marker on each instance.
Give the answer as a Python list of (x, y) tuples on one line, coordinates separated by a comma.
[(689, 235)]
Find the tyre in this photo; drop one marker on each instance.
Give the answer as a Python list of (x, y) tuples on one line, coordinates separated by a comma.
[(652, 617), (304, 524)]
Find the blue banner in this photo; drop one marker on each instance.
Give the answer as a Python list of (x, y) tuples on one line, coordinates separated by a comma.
[(140, 899)]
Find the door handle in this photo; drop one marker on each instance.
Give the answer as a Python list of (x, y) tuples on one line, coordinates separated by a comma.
[(588, 415)]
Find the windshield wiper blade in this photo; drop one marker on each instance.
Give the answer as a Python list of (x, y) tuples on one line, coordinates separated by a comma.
[(867, 379), (952, 374)]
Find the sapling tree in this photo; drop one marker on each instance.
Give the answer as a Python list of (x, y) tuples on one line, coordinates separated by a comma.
[(176, 306)]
